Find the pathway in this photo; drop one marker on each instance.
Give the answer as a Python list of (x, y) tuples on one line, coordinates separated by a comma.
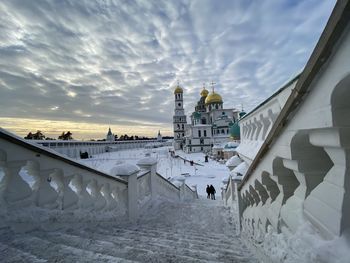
[(199, 231)]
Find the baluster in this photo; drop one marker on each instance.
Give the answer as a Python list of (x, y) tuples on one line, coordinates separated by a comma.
[(99, 200), (45, 195), (67, 198), (16, 191), (327, 206), (85, 200)]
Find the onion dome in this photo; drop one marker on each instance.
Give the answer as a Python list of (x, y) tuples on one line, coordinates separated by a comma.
[(213, 97), (204, 92), (235, 131), (178, 89), (242, 113), (196, 115)]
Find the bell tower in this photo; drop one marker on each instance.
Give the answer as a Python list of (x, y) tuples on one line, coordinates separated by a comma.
[(179, 119)]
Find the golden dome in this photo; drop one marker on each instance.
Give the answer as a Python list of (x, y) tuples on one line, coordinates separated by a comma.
[(204, 92), (213, 97), (178, 89)]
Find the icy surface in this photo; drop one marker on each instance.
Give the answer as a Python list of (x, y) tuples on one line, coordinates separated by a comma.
[(233, 161), (124, 169), (200, 231)]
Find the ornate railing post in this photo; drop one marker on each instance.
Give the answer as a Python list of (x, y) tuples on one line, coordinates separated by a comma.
[(129, 172), (150, 164), (182, 188)]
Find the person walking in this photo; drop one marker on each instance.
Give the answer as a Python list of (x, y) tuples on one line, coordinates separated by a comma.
[(208, 191), (212, 192)]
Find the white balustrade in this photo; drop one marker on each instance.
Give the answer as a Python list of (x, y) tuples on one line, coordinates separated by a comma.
[(301, 179), (33, 177)]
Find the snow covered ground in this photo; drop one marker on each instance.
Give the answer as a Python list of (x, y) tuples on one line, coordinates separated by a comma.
[(169, 167)]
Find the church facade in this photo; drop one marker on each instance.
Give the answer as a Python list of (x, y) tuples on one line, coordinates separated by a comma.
[(210, 122)]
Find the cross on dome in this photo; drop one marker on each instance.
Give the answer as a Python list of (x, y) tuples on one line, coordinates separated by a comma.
[(212, 86)]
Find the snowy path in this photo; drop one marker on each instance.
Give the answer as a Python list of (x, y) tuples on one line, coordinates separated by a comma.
[(201, 231)]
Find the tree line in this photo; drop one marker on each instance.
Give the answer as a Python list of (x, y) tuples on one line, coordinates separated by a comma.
[(39, 135)]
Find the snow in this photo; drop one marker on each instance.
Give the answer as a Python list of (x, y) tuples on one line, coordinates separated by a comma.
[(199, 231), (233, 161), (303, 246), (148, 160), (167, 166), (239, 172), (125, 169)]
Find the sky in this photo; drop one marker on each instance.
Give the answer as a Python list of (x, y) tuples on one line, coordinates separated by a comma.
[(88, 65)]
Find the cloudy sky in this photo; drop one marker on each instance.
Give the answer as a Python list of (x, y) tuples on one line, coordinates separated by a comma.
[(87, 65)]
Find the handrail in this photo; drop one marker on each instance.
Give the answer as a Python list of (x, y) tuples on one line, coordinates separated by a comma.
[(177, 188), (190, 189), (46, 151), (142, 174)]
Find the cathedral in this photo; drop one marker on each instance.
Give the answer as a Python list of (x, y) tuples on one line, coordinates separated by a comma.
[(210, 122)]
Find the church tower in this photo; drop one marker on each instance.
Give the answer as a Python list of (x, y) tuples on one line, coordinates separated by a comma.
[(179, 119)]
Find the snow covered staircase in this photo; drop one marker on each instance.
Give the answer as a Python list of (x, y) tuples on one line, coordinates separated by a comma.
[(199, 231)]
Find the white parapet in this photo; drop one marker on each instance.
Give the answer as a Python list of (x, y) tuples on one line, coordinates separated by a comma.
[(297, 150), (35, 177)]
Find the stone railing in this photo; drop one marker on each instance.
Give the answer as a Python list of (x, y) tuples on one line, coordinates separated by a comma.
[(257, 124), (229, 192), (34, 178), (161, 187), (296, 193), (38, 184), (191, 194), (144, 187)]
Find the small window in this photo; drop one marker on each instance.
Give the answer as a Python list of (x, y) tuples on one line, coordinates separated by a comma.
[(199, 133), (223, 131), (205, 133)]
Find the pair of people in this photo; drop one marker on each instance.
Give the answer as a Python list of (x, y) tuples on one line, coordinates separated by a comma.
[(210, 192)]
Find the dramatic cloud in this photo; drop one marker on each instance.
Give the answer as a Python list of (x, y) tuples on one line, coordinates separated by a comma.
[(116, 62)]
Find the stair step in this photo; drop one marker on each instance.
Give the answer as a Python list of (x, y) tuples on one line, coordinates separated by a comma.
[(159, 242), (171, 237), (128, 249), (59, 252), (10, 254), (164, 232)]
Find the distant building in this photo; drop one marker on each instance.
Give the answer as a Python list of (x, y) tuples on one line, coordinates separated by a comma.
[(179, 119), (110, 136), (210, 123), (159, 137)]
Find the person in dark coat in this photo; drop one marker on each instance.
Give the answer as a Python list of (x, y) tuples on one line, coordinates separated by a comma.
[(208, 191), (212, 192)]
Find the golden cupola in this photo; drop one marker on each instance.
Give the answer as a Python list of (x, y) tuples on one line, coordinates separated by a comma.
[(213, 97), (204, 92), (178, 89)]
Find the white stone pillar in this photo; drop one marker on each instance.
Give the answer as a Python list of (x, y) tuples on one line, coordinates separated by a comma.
[(129, 172), (150, 164), (182, 188)]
